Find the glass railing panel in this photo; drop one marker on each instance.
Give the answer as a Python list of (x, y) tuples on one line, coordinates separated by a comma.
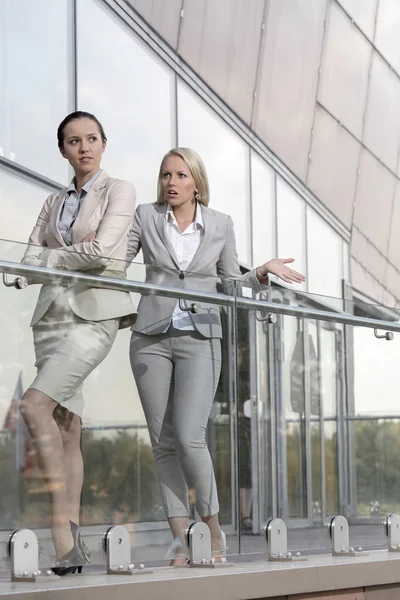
[(317, 418), (297, 430), (120, 482)]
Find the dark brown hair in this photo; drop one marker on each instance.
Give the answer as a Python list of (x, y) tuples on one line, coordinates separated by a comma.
[(79, 114)]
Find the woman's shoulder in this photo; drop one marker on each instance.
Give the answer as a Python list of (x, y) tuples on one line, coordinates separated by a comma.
[(216, 214), (114, 182), (148, 208)]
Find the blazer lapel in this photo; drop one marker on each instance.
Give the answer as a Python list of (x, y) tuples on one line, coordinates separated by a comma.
[(209, 230), (159, 222), (55, 216), (89, 203)]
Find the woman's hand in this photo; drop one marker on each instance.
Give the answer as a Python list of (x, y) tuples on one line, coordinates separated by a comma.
[(90, 237), (277, 266)]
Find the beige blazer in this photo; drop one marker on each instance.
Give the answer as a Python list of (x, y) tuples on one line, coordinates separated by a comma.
[(108, 210), (214, 267)]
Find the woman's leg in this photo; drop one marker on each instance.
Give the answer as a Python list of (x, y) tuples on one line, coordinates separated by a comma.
[(197, 369), (153, 368), (37, 410), (70, 427)]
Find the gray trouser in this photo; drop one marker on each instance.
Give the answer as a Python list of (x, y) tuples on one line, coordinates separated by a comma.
[(177, 374)]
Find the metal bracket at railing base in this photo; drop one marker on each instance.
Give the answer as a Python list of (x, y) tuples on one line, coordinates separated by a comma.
[(276, 537), (392, 530), (23, 549), (117, 545), (339, 534), (198, 539)]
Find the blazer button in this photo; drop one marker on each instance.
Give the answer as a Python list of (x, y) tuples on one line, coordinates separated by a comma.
[(181, 276)]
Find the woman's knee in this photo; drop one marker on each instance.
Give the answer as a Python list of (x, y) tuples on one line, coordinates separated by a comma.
[(35, 406), (187, 442)]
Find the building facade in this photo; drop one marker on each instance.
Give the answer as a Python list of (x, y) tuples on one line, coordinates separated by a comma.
[(293, 105)]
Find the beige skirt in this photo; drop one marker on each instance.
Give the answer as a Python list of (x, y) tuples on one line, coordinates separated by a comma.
[(67, 350)]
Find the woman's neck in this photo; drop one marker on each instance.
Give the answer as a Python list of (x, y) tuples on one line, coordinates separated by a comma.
[(81, 179), (186, 212)]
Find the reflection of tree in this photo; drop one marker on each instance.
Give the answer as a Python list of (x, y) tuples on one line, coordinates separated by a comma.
[(297, 491), (119, 486), (378, 462), (120, 481)]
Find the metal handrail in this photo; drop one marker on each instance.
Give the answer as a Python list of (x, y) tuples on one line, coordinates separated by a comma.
[(69, 277)]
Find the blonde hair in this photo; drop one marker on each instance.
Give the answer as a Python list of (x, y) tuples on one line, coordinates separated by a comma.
[(197, 170)]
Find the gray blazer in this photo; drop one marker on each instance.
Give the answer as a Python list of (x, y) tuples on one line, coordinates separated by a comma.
[(214, 262)]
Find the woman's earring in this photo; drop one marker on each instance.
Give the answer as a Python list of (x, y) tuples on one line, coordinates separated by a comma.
[(197, 196)]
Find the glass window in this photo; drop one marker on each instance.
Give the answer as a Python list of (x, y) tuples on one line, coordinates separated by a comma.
[(20, 204), (346, 261), (376, 373), (35, 86), (131, 93), (324, 254), (226, 157), (263, 210), (291, 228)]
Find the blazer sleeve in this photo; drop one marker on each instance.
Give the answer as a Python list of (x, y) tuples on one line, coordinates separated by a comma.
[(113, 230), (134, 242), (36, 240), (228, 265), (36, 253)]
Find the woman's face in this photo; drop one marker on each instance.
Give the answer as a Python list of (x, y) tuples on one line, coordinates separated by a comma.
[(177, 182), (83, 146)]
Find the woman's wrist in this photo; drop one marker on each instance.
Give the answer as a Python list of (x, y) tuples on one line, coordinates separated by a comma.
[(260, 276)]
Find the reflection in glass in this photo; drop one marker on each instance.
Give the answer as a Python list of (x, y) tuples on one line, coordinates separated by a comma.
[(329, 392), (294, 406), (377, 465), (120, 483), (221, 425), (291, 228), (20, 203), (132, 97), (315, 424), (377, 393), (323, 249), (226, 158), (34, 82), (263, 210)]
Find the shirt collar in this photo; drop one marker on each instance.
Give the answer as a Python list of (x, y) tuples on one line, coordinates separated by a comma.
[(198, 219), (85, 188)]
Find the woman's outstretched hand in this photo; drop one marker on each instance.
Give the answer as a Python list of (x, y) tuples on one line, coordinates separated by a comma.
[(277, 266)]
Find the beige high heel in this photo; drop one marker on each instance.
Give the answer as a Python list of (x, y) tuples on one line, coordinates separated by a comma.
[(179, 552)]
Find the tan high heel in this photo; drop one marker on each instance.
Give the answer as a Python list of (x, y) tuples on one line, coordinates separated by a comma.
[(179, 552)]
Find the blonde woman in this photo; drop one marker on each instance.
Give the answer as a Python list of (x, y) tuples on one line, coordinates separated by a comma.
[(176, 355)]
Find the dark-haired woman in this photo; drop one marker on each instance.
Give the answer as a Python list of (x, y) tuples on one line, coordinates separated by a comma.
[(74, 326)]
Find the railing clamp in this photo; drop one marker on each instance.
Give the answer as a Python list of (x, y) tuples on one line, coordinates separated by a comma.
[(271, 318), (20, 283), (339, 534), (276, 537), (23, 549), (392, 530), (388, 335), (198, 539), (117, 545)]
